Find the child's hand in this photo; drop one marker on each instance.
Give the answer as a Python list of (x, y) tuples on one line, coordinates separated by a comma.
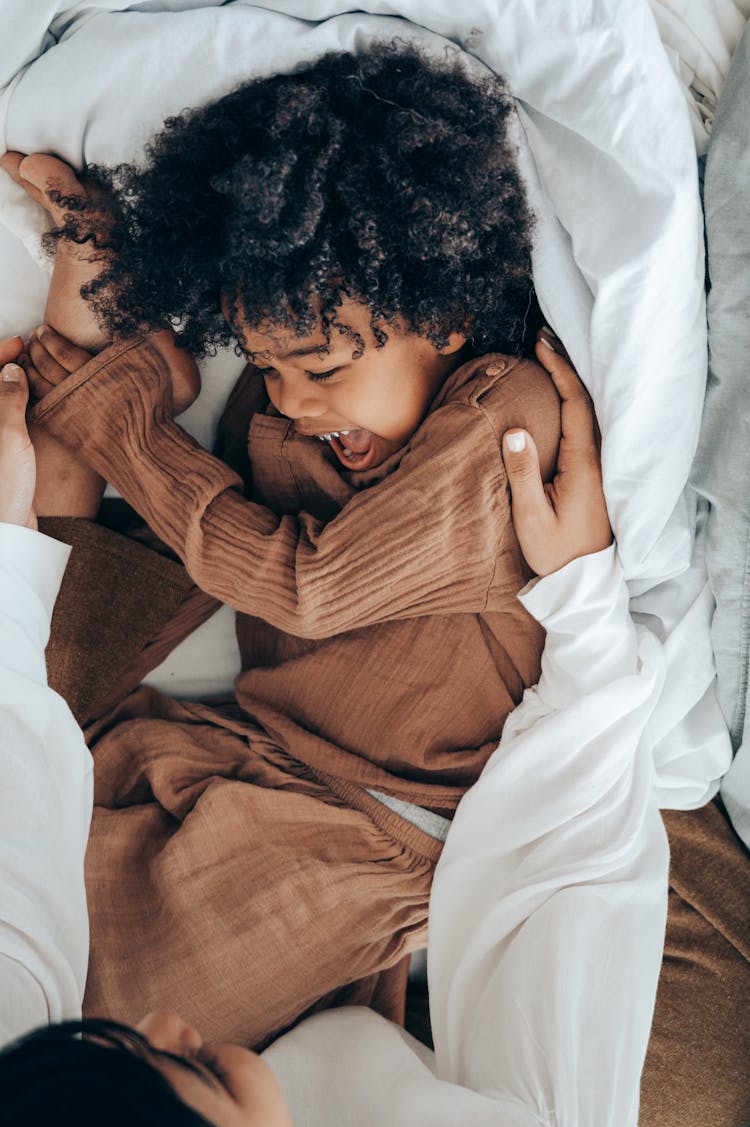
[(65, 485), (559, 522), (53, 184), (51, 358)]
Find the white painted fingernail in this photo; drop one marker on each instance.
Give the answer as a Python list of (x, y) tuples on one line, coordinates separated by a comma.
[(12, 373), (516, 442), (548, 343)]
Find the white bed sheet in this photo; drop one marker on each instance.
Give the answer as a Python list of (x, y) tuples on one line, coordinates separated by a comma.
[(700, 37), (609, 155)]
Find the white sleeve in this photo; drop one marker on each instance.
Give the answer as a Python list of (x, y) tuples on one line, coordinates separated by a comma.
[(45, 801), (549, 903)]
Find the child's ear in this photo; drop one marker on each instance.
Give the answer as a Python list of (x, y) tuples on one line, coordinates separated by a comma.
[(456, 341)]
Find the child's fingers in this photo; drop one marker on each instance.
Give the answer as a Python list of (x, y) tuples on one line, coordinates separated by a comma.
[(37, 383), (51, 360), (45, 365), (68, 356)]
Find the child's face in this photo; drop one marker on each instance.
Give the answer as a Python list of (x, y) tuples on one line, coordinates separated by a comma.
[(379, 399)]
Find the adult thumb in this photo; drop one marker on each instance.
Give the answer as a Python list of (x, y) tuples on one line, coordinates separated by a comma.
[(530, 509), (14, 399), (524, 476), (17, 460)]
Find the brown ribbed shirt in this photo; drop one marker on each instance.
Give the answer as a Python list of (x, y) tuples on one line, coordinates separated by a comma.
[(380, 635)]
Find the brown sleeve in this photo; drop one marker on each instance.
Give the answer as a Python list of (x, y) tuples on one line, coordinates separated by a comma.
[(115, 597), (429, 539)]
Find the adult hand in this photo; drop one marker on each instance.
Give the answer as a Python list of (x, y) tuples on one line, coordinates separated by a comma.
[(17, 460), (52, 358), (54, 186), (567, 518)]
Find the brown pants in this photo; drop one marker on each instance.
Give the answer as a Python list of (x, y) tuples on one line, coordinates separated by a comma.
[(233, 888), (226, 883), (225, 880)]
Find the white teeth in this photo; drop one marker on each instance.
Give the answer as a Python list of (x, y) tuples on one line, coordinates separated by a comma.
[(333, 434), (348, 453)]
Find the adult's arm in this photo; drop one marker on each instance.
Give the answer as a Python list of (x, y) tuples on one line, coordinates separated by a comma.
[(547, 912), (549, 904), (45, 768), (431, 538), (45, 800)]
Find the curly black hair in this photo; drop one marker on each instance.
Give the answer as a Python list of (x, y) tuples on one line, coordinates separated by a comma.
[(387, 177)]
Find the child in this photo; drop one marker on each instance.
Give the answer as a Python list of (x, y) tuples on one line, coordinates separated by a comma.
[(362, 228)]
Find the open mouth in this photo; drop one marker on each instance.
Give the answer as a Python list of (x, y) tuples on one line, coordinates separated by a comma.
[(355, 449)]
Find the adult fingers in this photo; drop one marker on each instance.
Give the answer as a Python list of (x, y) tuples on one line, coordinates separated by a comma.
[(17, 460), (577, 412), (14, 398), (547, 334), (10, 349), (531, 507), (60, 349), (14, 392)]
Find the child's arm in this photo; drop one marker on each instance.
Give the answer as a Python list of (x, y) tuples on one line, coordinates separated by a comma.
[(431, 538), (434, 543), (52, 184)]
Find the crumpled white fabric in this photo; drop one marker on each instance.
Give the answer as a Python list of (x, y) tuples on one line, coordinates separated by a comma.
[(548, 905), (700, 37)]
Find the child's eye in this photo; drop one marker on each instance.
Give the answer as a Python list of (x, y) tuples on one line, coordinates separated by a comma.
[(321, 377)]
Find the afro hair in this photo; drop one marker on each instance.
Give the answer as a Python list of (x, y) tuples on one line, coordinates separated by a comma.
[(387, 176)]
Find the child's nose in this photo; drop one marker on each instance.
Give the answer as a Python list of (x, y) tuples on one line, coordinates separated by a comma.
[(298, 402)]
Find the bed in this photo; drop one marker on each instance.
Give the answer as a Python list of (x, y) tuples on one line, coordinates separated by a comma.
[(614, 102), (608, 152)]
